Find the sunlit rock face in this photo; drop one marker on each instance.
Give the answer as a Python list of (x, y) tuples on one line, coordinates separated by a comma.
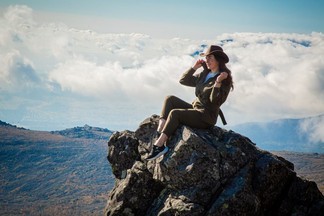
[(205, 172)]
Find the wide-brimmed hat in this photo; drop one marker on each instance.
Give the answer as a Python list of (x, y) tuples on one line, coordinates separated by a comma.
[(217, 50)]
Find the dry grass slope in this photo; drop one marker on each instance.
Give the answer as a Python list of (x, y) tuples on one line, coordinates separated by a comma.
[(307, 165), (49, 174)]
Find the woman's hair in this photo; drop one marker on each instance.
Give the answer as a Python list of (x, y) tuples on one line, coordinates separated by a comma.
[(222, 67)]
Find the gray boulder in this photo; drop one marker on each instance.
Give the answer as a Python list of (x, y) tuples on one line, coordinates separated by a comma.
[(206, 172)]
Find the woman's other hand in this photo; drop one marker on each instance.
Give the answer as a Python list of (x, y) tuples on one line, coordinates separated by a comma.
[(222, 76)]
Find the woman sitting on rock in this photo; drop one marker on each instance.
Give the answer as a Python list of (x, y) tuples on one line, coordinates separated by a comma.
[(212, 85)]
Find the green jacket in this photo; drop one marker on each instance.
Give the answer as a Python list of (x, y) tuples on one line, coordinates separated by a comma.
[(208, 98)]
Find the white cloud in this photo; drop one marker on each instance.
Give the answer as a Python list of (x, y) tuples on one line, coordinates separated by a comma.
[(276, 75), (19, 17), (314, 128), (17, 71), (151, 79)]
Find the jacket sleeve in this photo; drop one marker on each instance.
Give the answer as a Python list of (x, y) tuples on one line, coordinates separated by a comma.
[(218, 95), (188, 79)]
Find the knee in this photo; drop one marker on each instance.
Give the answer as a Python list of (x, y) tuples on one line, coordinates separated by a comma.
[(169, 98), (174, 113)]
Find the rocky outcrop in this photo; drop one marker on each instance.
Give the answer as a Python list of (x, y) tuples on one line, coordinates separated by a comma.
[(206, 172)]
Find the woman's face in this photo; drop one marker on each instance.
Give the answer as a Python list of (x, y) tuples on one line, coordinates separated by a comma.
[(212, 63)]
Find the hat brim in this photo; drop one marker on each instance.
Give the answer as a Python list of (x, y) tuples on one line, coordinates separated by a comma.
[(218, 53)]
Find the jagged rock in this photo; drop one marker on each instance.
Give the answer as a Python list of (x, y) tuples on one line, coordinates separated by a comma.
[(123, 153), (134, 194), (206, 172)]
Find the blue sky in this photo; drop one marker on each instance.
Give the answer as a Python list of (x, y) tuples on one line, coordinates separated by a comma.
[(111, 63), (188, 19)]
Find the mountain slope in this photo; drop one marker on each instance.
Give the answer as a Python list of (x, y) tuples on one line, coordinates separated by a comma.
[(308, 165), (48, 173)]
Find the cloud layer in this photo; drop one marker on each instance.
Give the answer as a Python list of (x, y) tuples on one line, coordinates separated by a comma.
[(314, 127), (125, 77)]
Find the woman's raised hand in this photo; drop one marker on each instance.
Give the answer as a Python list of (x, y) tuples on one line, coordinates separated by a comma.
[(198, 64)]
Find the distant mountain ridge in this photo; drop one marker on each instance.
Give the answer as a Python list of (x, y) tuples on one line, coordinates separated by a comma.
[(2, 123), (301, 135), (86, 132), (297, 135)]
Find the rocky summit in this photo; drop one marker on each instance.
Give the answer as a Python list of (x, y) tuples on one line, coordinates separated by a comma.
[(205, 172)]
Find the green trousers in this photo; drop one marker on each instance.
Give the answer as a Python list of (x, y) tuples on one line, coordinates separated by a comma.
[(176, 111)]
